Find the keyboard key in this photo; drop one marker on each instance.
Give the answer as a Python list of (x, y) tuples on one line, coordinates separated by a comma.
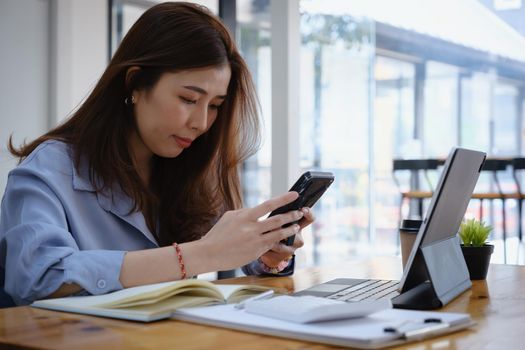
[(368, 290), (354, 288), (386, 293)]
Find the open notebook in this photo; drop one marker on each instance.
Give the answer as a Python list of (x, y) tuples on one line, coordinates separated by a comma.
[(152, 302)]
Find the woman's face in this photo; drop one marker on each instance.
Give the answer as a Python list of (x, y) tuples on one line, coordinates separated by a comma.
[(178, 109)]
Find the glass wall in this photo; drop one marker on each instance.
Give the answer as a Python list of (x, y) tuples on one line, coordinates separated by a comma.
[(476, 95), (335, 100), (126, 12), (430, 91), (394, 137), (253, 37), (336, 70), (490, 121), (440, 129), (506, 120)]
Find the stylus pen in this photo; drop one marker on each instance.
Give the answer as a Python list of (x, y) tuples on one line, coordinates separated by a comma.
[(261, 296)]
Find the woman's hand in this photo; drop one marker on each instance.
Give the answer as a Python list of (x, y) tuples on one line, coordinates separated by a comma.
[(240, 236), (280, 251)]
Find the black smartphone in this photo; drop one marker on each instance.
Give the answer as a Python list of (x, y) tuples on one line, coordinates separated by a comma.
[(310, 186)]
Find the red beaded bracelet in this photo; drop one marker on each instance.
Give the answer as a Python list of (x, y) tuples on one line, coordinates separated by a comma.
[(181, 261)]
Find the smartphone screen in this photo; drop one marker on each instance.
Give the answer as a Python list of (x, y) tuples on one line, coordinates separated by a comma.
[(311, 185)]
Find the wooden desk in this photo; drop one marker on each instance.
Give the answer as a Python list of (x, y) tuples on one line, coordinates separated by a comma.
[(497, 305)]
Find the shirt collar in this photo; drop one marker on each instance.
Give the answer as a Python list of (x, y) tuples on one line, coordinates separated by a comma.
[(114, 200)]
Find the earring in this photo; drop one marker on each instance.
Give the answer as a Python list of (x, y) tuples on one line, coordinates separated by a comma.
[(126, 100)]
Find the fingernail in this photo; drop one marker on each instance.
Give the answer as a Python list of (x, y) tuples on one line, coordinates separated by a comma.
[(298, 214), (305, 210), (296, 228)]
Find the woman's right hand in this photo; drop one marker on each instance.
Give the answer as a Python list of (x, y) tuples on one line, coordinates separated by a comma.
[(241, 236)]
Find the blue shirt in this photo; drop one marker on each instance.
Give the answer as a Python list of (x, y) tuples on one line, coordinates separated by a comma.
[(55, 229)]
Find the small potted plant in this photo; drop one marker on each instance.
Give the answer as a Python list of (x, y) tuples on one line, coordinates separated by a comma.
[(477, 252)]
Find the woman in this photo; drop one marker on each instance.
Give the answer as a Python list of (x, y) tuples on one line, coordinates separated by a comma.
[(141, 184)]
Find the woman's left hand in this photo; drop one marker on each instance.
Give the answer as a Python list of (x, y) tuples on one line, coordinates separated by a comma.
[(280, 251)]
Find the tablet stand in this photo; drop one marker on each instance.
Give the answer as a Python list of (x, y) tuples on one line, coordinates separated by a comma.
[(438, 275)]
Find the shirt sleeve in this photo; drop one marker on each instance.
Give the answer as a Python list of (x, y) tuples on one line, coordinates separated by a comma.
[(38, 252), (256, 268)]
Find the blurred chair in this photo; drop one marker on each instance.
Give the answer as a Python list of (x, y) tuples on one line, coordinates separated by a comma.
[(493, 166), (518, 164), (413, 189)]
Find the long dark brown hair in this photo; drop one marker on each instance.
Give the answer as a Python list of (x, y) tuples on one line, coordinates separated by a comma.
[(187, 193)]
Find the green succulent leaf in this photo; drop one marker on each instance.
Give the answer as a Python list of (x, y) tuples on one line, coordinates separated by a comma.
[(474, 233)]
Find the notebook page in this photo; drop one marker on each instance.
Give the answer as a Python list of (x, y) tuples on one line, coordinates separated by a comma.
[(236, 293), (94, 300), (146, 292)]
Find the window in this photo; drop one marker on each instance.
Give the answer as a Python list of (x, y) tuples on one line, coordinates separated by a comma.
[(336, 73), (253, 39), (424, 87), (394, 132), (124, 13), (440, 129)]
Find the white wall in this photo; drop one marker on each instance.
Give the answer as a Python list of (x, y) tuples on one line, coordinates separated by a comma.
[(24, 64), (79, 40), (52, 52)]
